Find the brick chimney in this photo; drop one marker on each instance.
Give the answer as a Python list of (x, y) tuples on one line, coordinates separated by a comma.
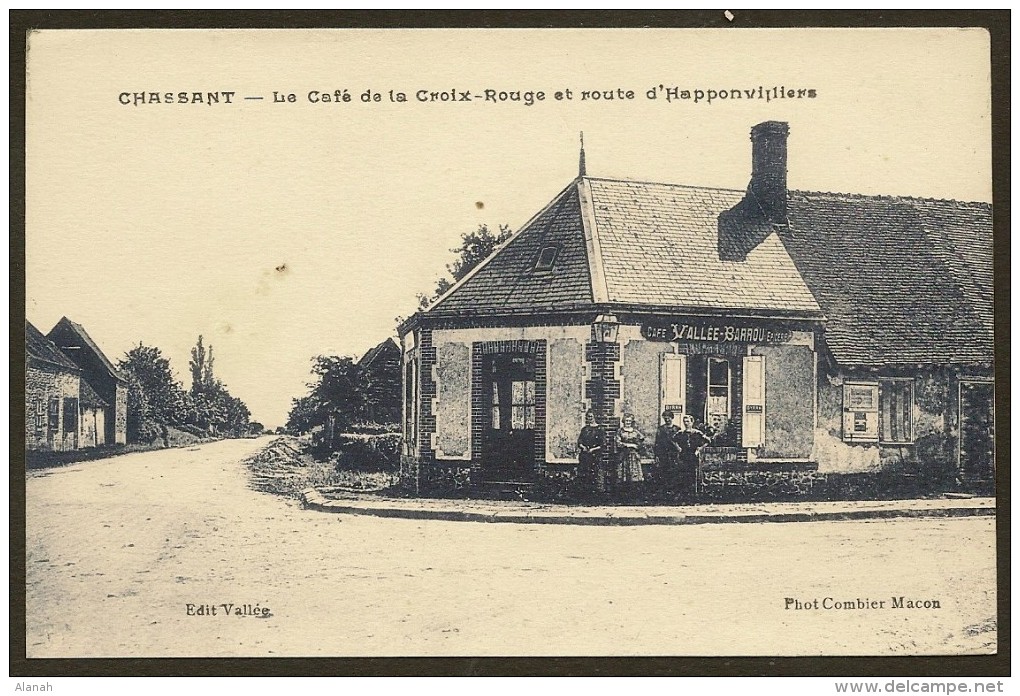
[(768, 169), (763, 208)]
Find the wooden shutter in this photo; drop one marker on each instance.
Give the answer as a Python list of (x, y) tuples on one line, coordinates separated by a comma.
[(753, 427), (673, 383)]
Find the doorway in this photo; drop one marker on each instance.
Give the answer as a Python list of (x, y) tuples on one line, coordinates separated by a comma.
[(977, 432), (508, 434)]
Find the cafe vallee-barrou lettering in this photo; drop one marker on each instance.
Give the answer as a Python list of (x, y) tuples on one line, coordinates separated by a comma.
[(680, 331)]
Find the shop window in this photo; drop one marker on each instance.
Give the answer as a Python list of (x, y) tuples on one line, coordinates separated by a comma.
[(860, 412), (54, 414), (70, 415), (547, 258), (895, 406), (717, 407)]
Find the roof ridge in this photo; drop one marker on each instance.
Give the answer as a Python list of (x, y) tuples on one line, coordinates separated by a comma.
[(803, 192), (890, 197)]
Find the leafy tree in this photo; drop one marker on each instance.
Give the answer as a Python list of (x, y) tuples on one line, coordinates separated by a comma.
[(474, 248), (212, 408), (201, 366), (165, 400), (338, 397), (140, 426)]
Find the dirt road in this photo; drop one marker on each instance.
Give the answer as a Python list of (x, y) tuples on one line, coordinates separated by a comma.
[(118, 549)]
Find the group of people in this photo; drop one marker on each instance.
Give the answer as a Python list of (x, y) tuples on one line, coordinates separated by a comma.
[(673, 474)]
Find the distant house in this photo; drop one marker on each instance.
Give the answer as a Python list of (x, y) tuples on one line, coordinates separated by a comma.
[(382, 365), (52, 384), (108, 384)]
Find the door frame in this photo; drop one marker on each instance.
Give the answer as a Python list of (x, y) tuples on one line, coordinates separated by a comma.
[(959, 415), (481, 407)]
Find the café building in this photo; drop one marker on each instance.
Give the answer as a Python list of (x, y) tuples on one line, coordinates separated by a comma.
[(815, 331)]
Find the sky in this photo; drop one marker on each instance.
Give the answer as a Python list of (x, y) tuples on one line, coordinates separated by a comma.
[(284, 230)]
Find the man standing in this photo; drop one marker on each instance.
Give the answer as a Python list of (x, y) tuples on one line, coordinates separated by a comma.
[(690, 440), (667, 453)]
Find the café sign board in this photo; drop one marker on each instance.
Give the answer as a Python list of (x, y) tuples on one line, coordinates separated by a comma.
[(713, 333)]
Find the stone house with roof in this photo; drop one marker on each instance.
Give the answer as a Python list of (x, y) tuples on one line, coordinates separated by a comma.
[(52, 385), (802, 331), (105, 381)]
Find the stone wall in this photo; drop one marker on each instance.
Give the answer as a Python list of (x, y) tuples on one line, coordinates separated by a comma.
[(41, 384)]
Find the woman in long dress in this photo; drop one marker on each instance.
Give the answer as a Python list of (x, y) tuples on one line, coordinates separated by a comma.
[(628, 446)]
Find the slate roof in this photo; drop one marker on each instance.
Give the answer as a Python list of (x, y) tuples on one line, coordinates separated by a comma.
[(373, 354), (66, 324), (507, 282), (632, 243), (38, 347), (88, 396), (897, 281), (902, 281), (659, 247)]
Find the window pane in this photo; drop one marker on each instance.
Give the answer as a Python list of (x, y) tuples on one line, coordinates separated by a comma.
[(718, 372), (862, 398), (529, 417), (517, 393), (529, 393), (495, 393), (495, 417), (517, 417)]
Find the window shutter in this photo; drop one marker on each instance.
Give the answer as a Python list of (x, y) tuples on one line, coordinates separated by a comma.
[(753, 427), (860, 412), (673, 383)]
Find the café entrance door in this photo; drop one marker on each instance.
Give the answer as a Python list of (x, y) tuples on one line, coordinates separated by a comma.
[(508, 438)]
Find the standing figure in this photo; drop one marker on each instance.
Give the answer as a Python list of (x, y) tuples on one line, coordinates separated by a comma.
[(690, 440), (590, 445), (628, 445), (667, 451)]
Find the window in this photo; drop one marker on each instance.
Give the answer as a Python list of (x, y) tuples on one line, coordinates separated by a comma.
[(860, 412), (717, 408), (522, 405), (547, 258), (495, 405), (895, 405), (54, 414), (879, 411), (40, 415), (70, 415)]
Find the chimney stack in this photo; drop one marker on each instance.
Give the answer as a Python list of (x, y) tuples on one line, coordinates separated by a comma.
[(768, 169), (763, 208)]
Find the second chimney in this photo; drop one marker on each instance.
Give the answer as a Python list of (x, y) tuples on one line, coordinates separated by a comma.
[(768, 169)]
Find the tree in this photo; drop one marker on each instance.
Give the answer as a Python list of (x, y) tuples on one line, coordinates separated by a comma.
[(338, 397), (474, 248), (201, 365), (212, 407), (164, 399)]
